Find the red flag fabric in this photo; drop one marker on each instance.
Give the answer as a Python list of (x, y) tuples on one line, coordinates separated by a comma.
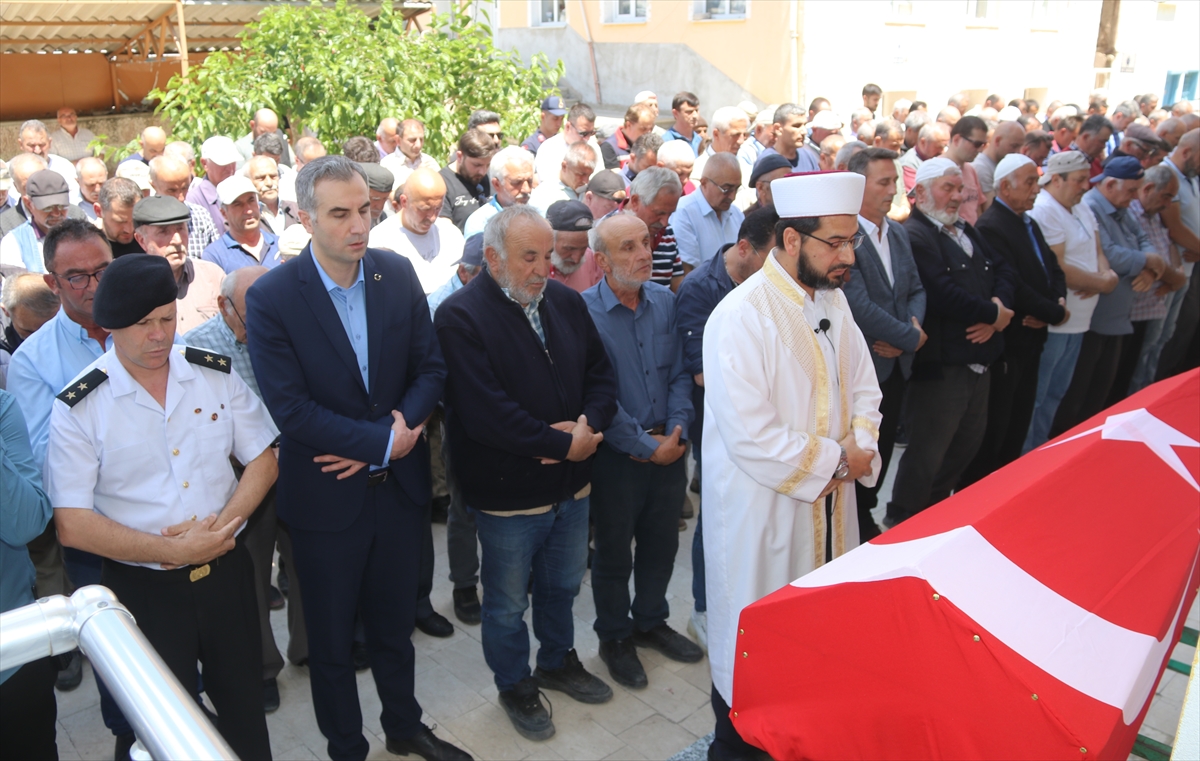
[(1028, 616)]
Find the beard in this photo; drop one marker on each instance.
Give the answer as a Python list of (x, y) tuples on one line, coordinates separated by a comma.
[(834, 277), (562, 265), (525, 292), (929, 209)]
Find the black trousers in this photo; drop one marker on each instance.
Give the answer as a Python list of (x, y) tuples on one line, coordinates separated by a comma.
[(946, 420), (28, 711), (1095, 371), (1180, 352), (1127, 362), (370, 567), (727, 744), (868, 496), (1011, 398), (213, 620)]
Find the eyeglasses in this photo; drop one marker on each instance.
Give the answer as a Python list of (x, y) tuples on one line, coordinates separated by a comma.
[(977, 143), (726, 190), (80, 282), (845, 245), (584, 133), (56, 209)]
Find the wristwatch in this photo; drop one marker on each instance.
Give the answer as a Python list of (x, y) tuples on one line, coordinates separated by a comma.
[(843, 468)]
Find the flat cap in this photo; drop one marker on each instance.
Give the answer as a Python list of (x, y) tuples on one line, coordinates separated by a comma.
[(133, 287), (765, 164), (608, 184), (569, 216), (472, 251), (1144, 134), (160, 210), (47, 188), (379, 178)]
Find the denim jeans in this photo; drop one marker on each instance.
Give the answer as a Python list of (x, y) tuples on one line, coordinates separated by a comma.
[(553, 547), (1158, 333), (1054, 378)]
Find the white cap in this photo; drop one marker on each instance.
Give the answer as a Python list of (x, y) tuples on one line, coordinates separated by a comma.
[(220, 150), (136, 171), (826, 120), (818, 194), (1062, 111), (934, 168), (1009, 164), (1009, 114), (643, 96), (233, 188), (750, 109), (293, 241)]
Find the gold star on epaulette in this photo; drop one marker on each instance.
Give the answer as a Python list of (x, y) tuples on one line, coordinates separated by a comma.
[(74, 394), (211, 360), (70, 394), (221, 362)]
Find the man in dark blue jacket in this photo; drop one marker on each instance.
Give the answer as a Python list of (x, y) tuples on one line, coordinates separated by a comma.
[(968, 292), (349, 367), (529, 386)]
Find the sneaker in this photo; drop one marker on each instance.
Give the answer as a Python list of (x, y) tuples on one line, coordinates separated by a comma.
[(529, 717), (466, 606), (623, 665), (695, 485), (573, 679), (698, 628), (71, 672), (688, 511), (670, 643)]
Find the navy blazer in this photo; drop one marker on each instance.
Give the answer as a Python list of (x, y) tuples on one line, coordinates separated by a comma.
[(884, 310), (313, 388)]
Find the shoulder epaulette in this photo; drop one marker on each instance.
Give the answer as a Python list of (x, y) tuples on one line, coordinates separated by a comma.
[(74, 393), (209, 359)]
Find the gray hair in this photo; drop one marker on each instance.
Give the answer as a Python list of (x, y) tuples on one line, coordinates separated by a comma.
[(726, 115), (861, 115), (952, 171), (88, 161), (848, 150), (645, 144), (1128, 109), (495, 232), (229, 283), (917, 119), (595, 239), (28, 290), (885, 127), (933, 129), (676, 152), (787, 109), (1159, 176), (121, 189), (581, 154), (21, 159), (654, 180), (513, 155), (33, 125), (180, 150), (337, 168), (166, 161), (269, 142)]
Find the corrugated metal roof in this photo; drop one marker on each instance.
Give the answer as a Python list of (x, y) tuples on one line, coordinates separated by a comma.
[(50, 26)]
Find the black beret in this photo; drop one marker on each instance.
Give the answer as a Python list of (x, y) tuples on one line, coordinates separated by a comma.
[(379, 179), (160, 210), (132, 287), (767, 163)]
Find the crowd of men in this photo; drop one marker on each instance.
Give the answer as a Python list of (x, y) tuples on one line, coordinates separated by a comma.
[(270, 347)]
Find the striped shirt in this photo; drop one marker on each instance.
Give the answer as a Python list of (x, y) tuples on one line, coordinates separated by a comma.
[(667, 263), (1152, 304), (201, 231)]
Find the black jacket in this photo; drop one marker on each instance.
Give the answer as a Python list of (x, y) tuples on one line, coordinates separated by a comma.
[(1038, 288), (958, 291), (505, 390)]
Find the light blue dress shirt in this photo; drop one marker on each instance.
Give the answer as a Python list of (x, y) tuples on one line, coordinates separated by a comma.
[(699, 234), (351, 306), (436, 298), (653, 388)]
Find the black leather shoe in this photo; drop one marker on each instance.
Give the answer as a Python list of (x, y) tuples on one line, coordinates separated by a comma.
[(275, 599), (436, 625), (573, 679), (440, 509), (466, 606), (428, 746), (670, 643), (623, 665), (270, 696), (359, 656), (124, 743), (71, 672), (529, 717)]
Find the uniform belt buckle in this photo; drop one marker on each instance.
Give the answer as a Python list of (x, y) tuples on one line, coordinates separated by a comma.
[(377, 477), (199, 572)]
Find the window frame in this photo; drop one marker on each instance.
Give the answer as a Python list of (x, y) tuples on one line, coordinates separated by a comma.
[(697, 15), (535, 15), (611, 12)]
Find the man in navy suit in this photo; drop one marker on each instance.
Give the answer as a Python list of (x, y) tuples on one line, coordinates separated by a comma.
[(888, 303), (349, 367)]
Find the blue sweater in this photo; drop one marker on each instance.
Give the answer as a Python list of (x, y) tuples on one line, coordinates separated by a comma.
[(504, 390)]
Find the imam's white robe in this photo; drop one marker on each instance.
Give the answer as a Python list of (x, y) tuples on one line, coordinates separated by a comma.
[(774, 412)]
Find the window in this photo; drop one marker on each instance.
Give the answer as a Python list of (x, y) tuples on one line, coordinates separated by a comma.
[(718, 9), (902, 7), (978, 8), (548, 12), (625, 11), (1189, 86)]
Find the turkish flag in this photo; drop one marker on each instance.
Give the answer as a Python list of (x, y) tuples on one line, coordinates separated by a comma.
[(1028, 616)]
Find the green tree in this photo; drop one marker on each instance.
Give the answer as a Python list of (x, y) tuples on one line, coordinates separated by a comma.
[(337, 72)]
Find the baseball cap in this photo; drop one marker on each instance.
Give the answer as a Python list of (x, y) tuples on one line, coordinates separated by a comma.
[(608, 184), (644, 96), (765, 164), (826, 120), (220, 150), (1121, 168), (47, 188), (136, 171), (569, 216), (555, 105), (473, 251), (1063, 163), (232, 188)]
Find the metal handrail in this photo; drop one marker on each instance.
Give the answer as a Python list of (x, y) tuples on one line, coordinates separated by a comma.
[(166, 719)]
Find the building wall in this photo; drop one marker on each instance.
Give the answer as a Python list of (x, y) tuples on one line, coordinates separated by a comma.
[(1161, 38), (119, 129)]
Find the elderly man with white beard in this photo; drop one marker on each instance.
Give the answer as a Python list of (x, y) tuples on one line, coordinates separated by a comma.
[(791, 419), (572, 263)]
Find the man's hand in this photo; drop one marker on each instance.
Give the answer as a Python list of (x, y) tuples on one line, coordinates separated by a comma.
[(833, 484), (583, 440), (980, 333), (698, 379), (1156, 264), (669, 448), (886, 350), (1086, 294), (197, 542), (1189, 255), (347, 466), (920, 341), (1003, 314), (1032, 322), (1145, 279), (406, 438), (859, 458)]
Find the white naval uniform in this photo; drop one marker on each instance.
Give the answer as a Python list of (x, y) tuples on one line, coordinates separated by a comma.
[(777, 399), (145, 466)]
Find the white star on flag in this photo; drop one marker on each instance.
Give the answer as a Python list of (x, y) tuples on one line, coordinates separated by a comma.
[(1141, 426)]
